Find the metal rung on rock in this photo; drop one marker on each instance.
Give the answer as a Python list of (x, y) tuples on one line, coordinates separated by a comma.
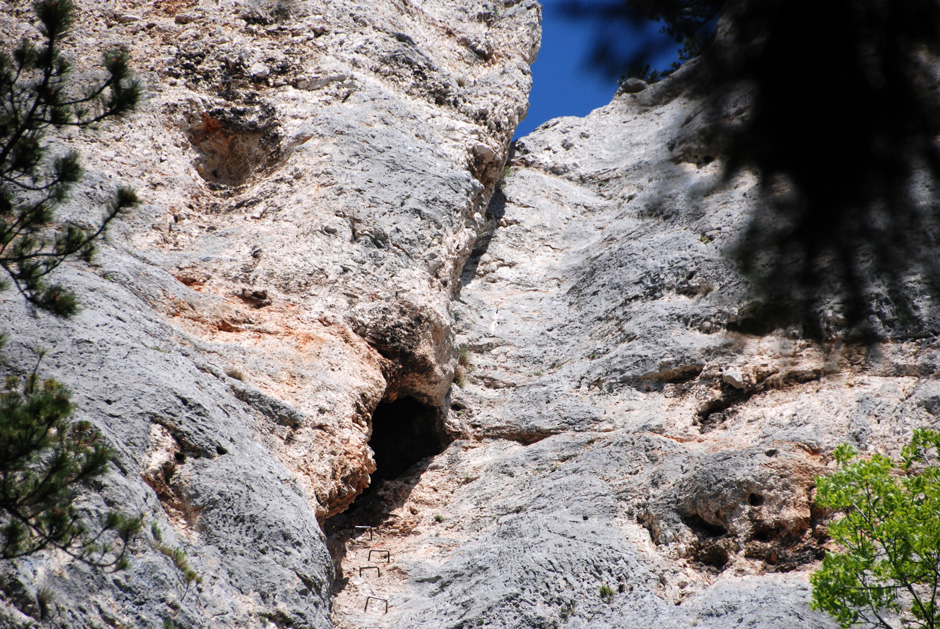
[(377, 599), (376, 568)]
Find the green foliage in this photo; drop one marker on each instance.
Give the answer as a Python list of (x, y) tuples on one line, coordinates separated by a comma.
[(156, 532), (36, 94), (890, 530), (45, 459), (181, 562), (606, 592)]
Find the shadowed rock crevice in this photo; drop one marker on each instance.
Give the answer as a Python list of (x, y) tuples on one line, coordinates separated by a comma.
[(405, 434), (495, 211), (733, 393)]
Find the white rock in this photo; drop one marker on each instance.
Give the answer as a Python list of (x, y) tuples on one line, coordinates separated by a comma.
[(734, 378)]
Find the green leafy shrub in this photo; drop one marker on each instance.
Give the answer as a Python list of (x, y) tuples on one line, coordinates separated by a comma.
[(889, 572)]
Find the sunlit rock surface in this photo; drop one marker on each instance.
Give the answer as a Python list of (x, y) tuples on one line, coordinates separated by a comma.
[(314, 175), (581, 419), (637, 456)]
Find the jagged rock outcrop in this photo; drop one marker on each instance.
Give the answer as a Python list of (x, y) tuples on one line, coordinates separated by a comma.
[(331, 250), (313, 175)]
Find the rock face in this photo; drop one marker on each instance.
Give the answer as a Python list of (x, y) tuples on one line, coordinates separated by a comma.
[(547, 369), (636, 455), (314, 175)]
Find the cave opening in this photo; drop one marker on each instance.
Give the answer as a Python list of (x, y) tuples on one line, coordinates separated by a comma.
[(404, 431)]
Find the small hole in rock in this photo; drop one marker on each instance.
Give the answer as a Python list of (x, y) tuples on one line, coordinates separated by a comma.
[(180, 457), (755, 500), (702, 527), (404, 432), (763, 533), (713, 555)]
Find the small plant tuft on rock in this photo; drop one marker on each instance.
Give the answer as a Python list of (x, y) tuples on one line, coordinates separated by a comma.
[(188, 576)]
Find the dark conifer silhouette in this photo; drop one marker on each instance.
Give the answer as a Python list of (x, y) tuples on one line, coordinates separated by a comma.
[(36, 93), (841, 115)]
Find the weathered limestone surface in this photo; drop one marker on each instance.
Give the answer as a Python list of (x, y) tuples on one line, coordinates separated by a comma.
[(327, 221), (314, 174), (625, 432)]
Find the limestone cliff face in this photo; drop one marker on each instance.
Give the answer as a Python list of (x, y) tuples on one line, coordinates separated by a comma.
[(624, 429), (331, 250), (314, 176)]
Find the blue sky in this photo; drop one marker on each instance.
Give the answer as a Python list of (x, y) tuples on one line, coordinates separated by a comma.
[(563, 82)]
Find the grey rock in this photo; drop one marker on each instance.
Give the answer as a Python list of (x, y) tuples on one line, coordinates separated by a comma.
[(628, 434), (295, 160), (734, 378), (328, 219), (632, 86)]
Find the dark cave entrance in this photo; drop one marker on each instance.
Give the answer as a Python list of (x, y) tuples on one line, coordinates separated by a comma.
[(404, 432)]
